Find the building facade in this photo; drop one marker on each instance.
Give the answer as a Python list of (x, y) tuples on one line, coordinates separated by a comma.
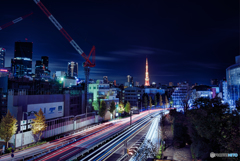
[(22, 63), (105, 79), (233, 81), (102, 91), (72, 69), (180, 93), (133, 95), (2, 57)]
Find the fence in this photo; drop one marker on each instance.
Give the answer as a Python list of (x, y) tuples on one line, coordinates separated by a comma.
[(56, 127)]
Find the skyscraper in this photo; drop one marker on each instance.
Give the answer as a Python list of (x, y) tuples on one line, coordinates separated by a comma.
[(22, 62), (105, 79), (38, 68), (45, 65), (146, 74), (41, 67), (2, 57), (73, 69), (130, 80)]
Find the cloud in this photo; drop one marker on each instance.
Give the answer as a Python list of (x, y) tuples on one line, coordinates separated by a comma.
[(104, 58), (206, 65), (165, 75), (99, 71), (141, 50)]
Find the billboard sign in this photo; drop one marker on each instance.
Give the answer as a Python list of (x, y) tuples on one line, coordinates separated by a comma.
[(30, 121), (50, 110), (29, 126), (23, 122), (23, 127)]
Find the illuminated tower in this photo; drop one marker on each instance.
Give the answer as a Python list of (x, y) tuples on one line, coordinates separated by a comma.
[(146, 74)]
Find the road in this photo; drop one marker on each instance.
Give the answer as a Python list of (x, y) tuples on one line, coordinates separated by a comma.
[(79, 142)]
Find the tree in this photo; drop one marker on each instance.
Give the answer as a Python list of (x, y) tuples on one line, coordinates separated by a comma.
[(95, 105), (103, 109), (128, 107), (39, 124), (155, 100), (8, 127), (112, 107), (160, 101), (121, 107), (166, 101), (150, 102)]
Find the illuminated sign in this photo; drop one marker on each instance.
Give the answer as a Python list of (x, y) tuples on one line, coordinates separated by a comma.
[(3, 70)]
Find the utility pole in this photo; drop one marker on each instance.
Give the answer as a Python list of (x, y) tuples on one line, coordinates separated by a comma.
[(130, 118)]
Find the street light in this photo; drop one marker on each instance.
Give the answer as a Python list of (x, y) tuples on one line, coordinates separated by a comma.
[(130, 118), (28, 113)]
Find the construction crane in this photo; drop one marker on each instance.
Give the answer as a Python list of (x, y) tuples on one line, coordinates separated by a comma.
[(15, 21), (87, 64)]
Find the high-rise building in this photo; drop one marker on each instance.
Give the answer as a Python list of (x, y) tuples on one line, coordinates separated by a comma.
[(105, 79), (2, 57), (130, 80), (214, 82), (146, 74), (233, 84), (41, 67), (170, 84), (114, 82), (137, 84), (154, 84), (38, 68), (73, 69), (45, 65), (22, 63)]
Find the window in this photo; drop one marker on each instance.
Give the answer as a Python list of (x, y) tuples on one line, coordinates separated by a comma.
[(59, 108), (89, 87), (44, 110), (94, 87)]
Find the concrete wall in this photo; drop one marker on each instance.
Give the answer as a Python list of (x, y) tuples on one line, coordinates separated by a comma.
[(18, 103), (53, 130)]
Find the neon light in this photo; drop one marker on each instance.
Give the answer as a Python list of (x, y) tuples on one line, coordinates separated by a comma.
[(3, 70)]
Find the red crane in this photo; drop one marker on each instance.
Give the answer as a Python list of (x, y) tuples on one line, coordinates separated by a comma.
[(87, 64), (14, 21)]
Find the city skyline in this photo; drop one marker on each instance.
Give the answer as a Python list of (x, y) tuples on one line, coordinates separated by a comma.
[(194, 41)]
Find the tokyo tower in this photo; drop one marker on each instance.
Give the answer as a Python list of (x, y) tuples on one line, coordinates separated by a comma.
[(146, 74)]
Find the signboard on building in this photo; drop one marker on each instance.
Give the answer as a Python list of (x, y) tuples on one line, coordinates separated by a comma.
[(29, 126), (30, 121), (23, 122), (23, 127), (50, 110)]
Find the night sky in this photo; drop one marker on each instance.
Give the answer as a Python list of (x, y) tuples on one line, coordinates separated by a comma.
[(183, 40)]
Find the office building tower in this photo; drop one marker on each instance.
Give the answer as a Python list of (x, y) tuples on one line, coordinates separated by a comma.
[(73, 69), (45, 62), (105, 79), (2, 57), (146, 74), (214, 82), (38, 68), (130, 80), (22, 63), (137, 84), (154, 84), (233, 83)]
